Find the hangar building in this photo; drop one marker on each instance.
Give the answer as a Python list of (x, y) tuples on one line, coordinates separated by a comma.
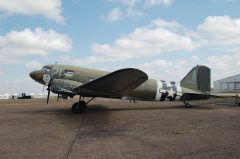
[(228, 84)]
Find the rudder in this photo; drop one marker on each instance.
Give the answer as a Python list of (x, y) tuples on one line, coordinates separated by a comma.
[(197, 80)]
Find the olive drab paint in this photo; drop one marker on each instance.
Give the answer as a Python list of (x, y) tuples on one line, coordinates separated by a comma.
[(65, 79)]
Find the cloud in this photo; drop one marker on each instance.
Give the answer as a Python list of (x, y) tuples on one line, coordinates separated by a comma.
[(114, 15), (117, 14), (20, 85), (134, 13), (33, 64), (195, 58), (170, 25), (83, 61), (163, 69), (27, 42), (158, 63), (131, 8), (150, 40), (129, 3), (151, 3), (231, 0), (50, 9), (161, 36), (6, 59), (17, 47), (224, 65), (148, 3), (221, 67), (221, 32)]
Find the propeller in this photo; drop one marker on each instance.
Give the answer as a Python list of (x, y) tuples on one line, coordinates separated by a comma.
[(47, 79), (49, 91), (44, 87)]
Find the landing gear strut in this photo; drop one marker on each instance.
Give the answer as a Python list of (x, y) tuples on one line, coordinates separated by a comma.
[(80, 106)]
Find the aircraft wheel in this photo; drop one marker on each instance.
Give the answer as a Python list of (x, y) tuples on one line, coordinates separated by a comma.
[(187, 105), (75, 108), (82, 106), (79, 107), (171, 98)]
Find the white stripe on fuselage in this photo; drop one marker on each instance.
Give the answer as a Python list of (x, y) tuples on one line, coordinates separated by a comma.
[(158, 94), (161, 90)]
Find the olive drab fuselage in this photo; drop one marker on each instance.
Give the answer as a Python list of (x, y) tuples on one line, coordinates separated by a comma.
[(66, 78)]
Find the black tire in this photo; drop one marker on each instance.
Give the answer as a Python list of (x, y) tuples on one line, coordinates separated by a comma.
[(75, 108), (171, 98), (187, 105), (79, 107), (82, 106)]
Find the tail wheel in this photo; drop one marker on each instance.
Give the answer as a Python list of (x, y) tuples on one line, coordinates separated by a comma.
[(187, 105), (171, 98)]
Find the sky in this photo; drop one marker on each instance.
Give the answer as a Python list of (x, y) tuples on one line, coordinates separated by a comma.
[(164, 38)]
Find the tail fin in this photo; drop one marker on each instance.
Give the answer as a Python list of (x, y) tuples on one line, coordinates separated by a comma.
[(197, 81)]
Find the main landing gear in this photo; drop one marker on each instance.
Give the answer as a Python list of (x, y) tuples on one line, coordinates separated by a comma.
[(80, 106)]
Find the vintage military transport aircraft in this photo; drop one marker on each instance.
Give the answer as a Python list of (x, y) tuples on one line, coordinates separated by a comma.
[(128, 83)]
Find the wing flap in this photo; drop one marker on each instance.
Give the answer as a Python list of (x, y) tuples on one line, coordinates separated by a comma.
[(113, 85)]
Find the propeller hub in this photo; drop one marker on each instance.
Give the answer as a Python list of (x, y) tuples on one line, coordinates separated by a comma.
[(46, 78)]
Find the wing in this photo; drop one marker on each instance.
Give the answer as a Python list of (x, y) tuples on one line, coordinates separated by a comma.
[(114, 85)]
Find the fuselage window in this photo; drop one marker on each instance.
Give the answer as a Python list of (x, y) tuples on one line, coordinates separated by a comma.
[(90, 79), (68, 73)]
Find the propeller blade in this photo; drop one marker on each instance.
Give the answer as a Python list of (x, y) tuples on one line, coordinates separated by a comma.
[(47, 79), (49, 90), (43, 88)]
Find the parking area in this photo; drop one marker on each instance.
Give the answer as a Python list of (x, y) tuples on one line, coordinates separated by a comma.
[(118, 129)]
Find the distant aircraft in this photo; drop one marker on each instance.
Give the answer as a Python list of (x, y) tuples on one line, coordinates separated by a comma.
[(128, 83)]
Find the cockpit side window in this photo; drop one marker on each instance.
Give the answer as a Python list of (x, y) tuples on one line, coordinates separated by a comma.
[(46, 69)]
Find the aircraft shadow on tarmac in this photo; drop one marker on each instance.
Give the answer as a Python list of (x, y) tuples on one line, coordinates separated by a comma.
[(98, 115), (136, 108), (94, 108)]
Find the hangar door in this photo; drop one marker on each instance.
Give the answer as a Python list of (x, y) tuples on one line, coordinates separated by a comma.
[(237, 85), (224, 87), (231, 86)]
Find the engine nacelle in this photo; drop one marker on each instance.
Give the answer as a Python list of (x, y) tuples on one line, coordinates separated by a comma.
[(64, 87)]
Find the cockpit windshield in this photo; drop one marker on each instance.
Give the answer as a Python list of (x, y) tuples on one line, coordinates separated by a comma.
[(46, 69)]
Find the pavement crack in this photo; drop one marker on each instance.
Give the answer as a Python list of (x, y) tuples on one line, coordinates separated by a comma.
[(74, 139)]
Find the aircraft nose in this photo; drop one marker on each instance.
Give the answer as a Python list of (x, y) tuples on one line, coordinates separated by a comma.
[(37, 75)]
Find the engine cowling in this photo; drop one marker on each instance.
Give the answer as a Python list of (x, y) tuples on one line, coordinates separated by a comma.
[(64, 87)]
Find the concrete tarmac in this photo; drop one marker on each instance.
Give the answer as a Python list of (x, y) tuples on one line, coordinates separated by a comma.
[(118, 129)]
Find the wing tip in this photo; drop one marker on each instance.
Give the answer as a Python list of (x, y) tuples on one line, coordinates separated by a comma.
[(135, 70)]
